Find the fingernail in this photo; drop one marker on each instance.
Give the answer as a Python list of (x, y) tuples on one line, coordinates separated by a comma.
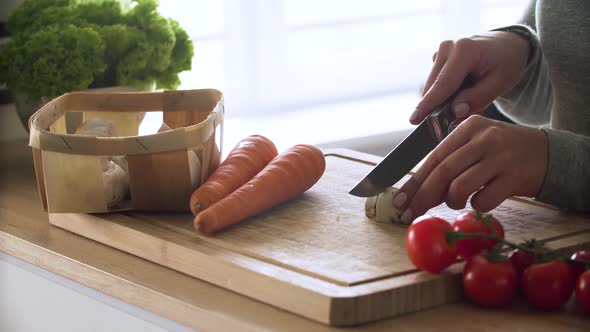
[(406, 216), (399, 200), (461, 110), (414, 116)]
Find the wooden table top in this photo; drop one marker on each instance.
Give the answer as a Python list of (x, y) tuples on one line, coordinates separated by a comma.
[(26, 234)]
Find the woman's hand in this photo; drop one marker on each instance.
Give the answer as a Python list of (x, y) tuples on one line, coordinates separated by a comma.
[(493, 159), (495, 61)]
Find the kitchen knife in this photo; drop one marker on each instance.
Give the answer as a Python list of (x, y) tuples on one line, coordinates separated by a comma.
[(410, 151)]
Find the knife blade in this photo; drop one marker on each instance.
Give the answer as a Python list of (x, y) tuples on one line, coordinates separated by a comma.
[(409, 152)]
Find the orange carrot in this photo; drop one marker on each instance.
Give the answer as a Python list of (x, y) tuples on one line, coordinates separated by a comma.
[(285, 177), (246, 159)]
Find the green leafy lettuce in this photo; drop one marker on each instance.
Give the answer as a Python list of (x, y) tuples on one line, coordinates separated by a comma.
[(65, 45)]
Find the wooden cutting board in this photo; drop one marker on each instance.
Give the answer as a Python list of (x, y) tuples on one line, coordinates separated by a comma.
[(317, 256)]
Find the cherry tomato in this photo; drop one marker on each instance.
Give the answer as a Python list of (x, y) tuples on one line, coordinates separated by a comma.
[(489, 284), (427, 245), (521, 260), (582, 255), (474, 222), (547, 286), (583, 291)]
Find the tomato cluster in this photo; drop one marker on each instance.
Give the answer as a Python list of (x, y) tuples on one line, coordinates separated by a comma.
[(490, 279)]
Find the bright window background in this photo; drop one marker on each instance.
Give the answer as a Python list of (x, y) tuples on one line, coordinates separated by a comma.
[(323, 70)]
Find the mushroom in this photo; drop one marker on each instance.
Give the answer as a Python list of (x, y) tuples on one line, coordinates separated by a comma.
[(371, 206), (122, 162), (194, 167), (97, 127), (381, 208), (115, 169), (116, 184), (194, 163)]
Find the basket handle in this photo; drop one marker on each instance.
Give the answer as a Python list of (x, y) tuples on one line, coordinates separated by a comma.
[(167, 101)]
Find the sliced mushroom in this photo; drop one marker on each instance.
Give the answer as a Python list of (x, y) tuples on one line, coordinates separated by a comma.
[(370, 206), (381, 207)]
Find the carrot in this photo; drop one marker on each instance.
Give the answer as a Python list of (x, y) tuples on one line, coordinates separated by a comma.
[(286, 176), (246, 159)]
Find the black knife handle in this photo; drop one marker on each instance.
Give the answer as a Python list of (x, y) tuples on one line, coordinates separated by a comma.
[(442, 119)]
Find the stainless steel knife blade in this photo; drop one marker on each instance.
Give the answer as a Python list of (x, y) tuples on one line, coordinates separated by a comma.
[(408, 153), (437, 125), (397, 163)]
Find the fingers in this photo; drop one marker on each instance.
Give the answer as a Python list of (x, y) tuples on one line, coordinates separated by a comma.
[(459, 137), (483, 159), (439, 58), (441, 175), (477, 98), (436, 68), (453, 155), (437, 186), (471, 181), (461, 61), (493, 194)]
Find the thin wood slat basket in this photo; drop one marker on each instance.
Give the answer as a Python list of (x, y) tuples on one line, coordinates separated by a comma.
[(68, 166)]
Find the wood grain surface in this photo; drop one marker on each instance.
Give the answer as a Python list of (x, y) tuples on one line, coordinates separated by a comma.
[(318, 255)]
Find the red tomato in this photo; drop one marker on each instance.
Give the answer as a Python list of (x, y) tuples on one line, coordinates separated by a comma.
[(489, 284), (473, 222), (427, 245), (547, 286), (582, 255), (521, 260), (583, 291)]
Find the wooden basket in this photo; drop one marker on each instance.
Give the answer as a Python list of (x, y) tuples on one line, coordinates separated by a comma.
[(68, 166)]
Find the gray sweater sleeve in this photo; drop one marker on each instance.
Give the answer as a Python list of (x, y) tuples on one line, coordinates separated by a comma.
[(567, 182), (530, 102)]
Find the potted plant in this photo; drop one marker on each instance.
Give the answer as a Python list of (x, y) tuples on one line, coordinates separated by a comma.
[(58, 46)]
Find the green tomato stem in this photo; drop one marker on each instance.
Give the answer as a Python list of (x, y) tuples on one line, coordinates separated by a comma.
[(454, 236)]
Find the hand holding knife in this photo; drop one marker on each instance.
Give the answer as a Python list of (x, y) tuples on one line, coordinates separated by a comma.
[(411, 150)]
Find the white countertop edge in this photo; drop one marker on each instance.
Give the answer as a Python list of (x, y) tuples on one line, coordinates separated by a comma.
[(123, 306)]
